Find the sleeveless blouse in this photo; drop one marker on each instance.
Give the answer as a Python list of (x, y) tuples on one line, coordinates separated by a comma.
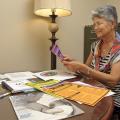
[(104, 64)]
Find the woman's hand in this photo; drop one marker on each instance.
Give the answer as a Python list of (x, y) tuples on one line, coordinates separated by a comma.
[(73, 66), (67, 58)]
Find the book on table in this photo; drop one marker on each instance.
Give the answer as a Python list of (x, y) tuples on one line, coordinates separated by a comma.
[(18, 86), (41, 106)]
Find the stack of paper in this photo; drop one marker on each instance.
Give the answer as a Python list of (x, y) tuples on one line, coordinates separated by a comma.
[(38, 84), (84, 94)]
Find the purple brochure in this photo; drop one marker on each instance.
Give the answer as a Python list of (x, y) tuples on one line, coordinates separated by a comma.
[(56, 50)]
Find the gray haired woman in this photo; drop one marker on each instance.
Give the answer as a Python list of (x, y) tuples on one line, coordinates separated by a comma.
[(103, 63)]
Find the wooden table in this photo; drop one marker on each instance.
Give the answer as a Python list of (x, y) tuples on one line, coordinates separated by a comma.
[(101, 111)]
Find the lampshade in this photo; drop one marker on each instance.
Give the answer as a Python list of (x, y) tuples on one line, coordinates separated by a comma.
[(45, 7)]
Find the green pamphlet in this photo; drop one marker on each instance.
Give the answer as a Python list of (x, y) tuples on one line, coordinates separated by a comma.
[(39, 84)]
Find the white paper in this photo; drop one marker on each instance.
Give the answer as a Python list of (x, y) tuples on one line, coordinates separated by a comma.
[(110, 93), (18, 86), (54, 74), (20, 75), (81, 83)]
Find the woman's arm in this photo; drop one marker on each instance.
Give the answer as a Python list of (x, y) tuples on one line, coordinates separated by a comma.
[(108, 79)]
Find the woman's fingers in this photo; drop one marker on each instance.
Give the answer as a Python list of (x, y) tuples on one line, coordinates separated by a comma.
[(69, 65), (67, 58)]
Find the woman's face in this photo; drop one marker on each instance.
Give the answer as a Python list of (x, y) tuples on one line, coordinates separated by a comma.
[(102, 27)]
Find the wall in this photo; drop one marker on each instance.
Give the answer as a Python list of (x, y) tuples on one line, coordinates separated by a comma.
[(23, 37), (24, 43)]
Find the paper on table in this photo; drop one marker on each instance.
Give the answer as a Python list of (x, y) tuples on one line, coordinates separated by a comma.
[(110, 93), (89, 95), (39, 84), (18, 86), (20, 75), (86, 94), (54, 74), (82, 83)]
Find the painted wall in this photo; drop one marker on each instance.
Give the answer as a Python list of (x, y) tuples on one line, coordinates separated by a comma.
[(24, 37)]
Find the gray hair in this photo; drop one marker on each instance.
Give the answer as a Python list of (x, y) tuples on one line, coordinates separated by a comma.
[(108, 12)]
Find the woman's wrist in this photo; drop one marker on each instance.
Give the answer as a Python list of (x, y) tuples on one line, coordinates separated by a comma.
[(84, 70)]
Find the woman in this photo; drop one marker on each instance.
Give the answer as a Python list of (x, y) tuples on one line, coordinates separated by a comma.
[(103, 63)]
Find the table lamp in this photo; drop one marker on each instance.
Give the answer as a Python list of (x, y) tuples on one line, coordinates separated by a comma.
[(52, 9)]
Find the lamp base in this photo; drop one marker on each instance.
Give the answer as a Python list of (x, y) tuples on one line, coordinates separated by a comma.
[(53, 28), (53, 61)]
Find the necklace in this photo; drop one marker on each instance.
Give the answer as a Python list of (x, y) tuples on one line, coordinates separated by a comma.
[(105, 49), (114, 48)]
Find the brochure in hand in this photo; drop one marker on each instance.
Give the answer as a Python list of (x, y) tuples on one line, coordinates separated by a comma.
[(41, 106), (56, 50)]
